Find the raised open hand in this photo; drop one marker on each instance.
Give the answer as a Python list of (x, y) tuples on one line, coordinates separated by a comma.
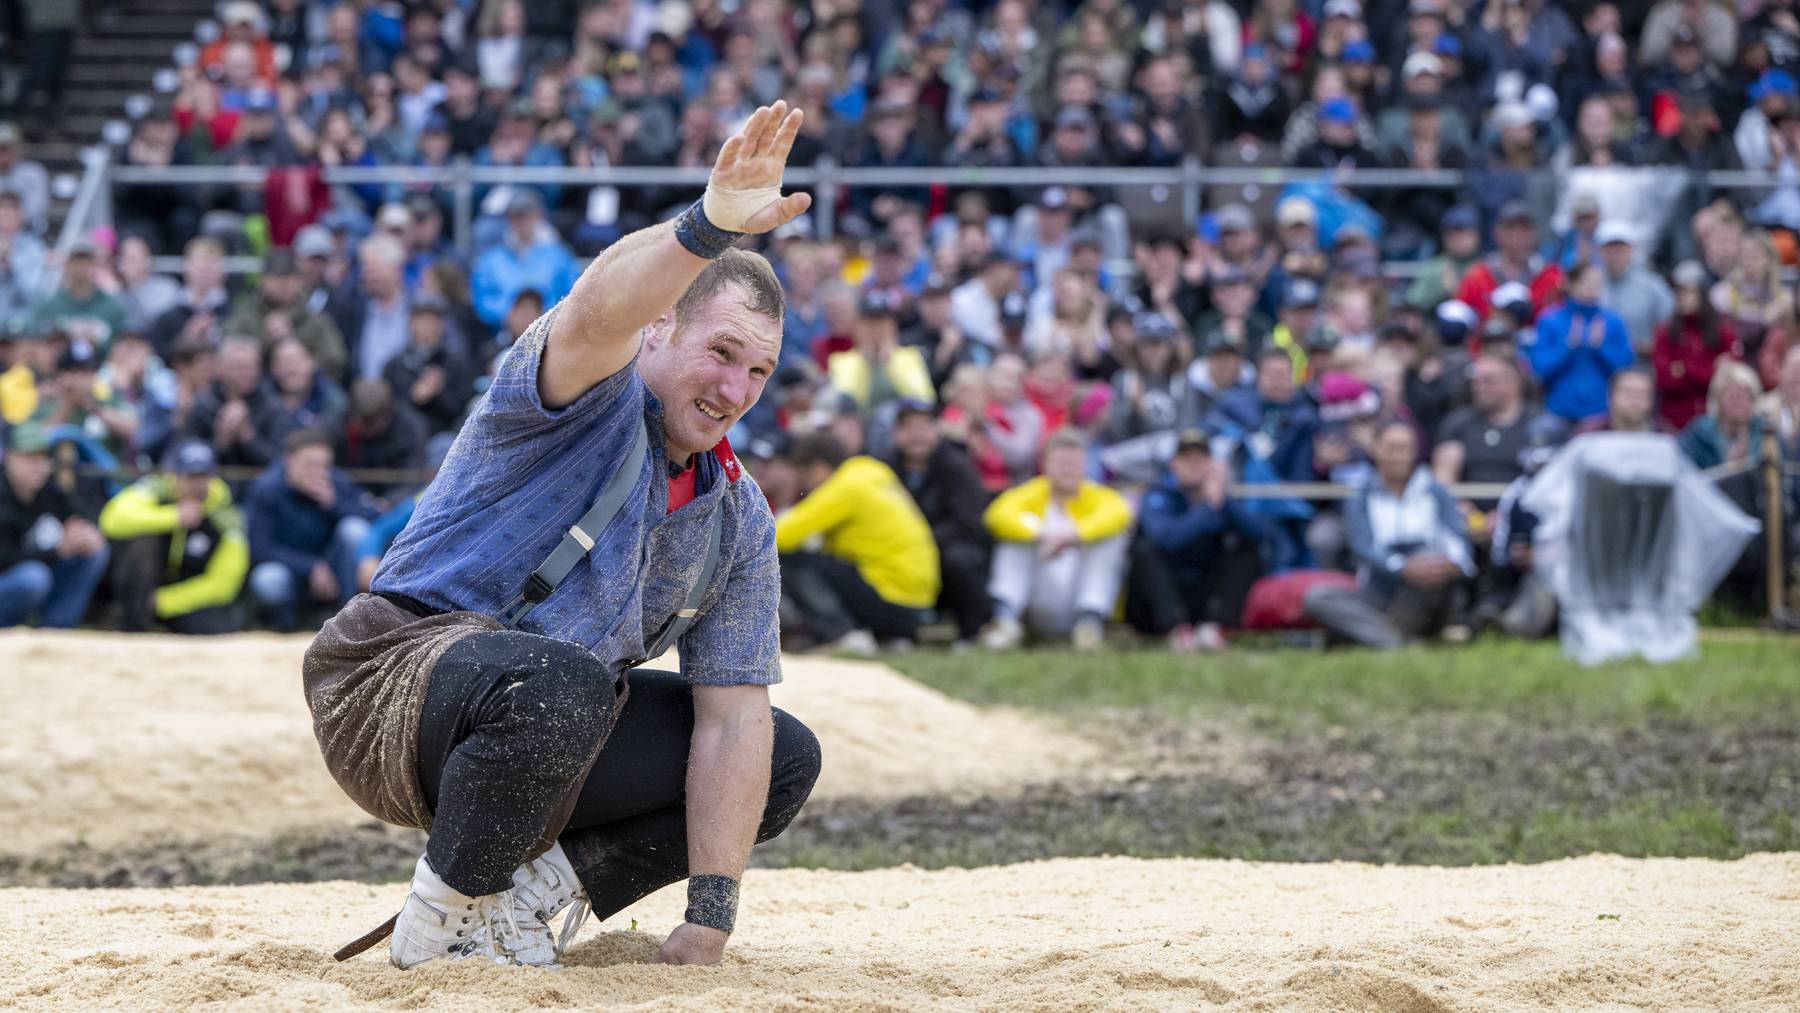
[(744, 192)]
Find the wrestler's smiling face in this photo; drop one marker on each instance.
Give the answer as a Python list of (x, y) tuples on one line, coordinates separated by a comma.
[(709, 369)]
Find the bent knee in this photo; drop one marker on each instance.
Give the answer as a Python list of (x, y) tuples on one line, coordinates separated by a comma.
[(796, 761)]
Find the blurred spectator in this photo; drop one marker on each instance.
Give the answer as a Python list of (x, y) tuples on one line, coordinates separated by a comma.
[(384, 433), (306, 520), (1578, 346), (52, 557), (1688, 346), (371, 312), (1217, 374), (433, 373), (276, 311), (1486, 441), (79, 308), (168, 405), (945, 485), (22, 176), (1514, 259), (1630, 404), (304, 398), (1757, 302), (1061, 552), (1638, 295), (1780, 408), (1271, 428), (1411, 549), (1731, 430), (858, 563), (203, 302), (23, 258), (183, 552), (878, 369), (143, 295), (236, 413), (1150, 395), (975, 304), (531, 256), (89, 410), (244, 30), (1198, 552), (1440, 277)]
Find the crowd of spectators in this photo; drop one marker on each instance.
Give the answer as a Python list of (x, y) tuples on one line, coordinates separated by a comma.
[(1067, 381)]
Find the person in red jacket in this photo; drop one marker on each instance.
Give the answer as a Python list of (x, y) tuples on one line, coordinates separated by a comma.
[(1688, 347), (1514, 259)]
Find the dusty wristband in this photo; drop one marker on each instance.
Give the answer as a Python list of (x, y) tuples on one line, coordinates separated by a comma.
[(712, 902), (700, 237)]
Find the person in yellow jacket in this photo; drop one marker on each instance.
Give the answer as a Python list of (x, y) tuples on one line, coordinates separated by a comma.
[(858, 563), (879, 369), (185, 550), (1061, 552)]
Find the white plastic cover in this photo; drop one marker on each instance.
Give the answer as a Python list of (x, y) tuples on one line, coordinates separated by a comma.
[(1632, 540)]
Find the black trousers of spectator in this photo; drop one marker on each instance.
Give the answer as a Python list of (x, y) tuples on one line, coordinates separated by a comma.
[(832, 599), (964, 569), (47, 67), (1158, 597), (138, 571), (1386, 621), (514, 722)]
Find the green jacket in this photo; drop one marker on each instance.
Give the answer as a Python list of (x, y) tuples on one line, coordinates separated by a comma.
[(207, 564)]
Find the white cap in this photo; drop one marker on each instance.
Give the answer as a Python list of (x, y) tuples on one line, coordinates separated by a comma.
[(1351, 9), (1614, 231), (1296, 210), (1512, 114), (1421, 63)]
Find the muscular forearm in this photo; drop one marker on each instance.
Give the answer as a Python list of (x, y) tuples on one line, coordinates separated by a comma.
[(727, 788)]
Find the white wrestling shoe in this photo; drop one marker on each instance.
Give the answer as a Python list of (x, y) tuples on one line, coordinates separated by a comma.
[(543, 887), (440, 923)]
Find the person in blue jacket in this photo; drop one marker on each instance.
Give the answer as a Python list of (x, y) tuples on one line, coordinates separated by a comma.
[(1197, 553), (306, 520), (530, 256), (1578, 346)]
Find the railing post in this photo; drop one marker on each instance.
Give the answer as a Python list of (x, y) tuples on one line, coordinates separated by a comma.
[(1190, 190), (462, 188), (825, 199)]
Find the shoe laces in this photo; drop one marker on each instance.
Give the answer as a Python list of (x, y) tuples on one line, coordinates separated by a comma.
[(578, 913)]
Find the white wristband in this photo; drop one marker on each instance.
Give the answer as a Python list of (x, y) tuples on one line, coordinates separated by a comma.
[(730, 209)]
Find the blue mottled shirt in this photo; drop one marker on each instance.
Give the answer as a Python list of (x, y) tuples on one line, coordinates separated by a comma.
[(520, 474)]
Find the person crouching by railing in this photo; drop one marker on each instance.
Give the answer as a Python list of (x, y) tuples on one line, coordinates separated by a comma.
[(1061, 552), (1412, 552), (183, 552)]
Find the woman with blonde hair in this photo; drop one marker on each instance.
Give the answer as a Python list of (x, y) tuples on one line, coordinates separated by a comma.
[(1731, 430), (1759, 307)]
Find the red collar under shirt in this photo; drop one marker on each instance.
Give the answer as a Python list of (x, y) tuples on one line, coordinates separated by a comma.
[(681, 484)]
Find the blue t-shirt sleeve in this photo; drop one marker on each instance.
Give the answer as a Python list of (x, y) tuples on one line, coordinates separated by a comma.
[(737, 642), (514, 408)]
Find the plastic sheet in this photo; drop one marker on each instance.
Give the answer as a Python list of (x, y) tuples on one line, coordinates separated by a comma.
[(1632, 539)]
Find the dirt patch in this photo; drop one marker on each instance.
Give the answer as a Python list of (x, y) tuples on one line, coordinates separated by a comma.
[(121, 743), (1070, 934)]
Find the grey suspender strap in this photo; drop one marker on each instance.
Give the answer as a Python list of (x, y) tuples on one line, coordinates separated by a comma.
[(580, 538), (679, 623)]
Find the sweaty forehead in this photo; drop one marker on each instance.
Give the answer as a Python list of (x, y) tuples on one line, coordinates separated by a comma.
[(727, 316)]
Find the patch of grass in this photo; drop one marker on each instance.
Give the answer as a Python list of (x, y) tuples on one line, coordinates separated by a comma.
[(1748, 679)]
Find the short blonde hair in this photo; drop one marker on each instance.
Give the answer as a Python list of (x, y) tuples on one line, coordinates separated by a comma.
[(1728, 372)]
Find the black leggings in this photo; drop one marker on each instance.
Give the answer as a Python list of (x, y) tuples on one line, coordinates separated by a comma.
[(833, 598), (510, 725)]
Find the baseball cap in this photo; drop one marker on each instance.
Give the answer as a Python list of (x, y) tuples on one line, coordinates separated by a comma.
[(1192, 439), (1773, 81), (1359, 51), (313, 241), (1234, 217), (798, 227), (193, 457), (1054, 197), (1513, 298), (260, 100), (1220, 343), (1351, 9), (1337, 110), (1074, 116), (1455, 320), (1301, 292), (9, 134), (1296, 211), (1153, 326), (1421, 63), (28, 438), (1513, 114), (1013, 309), (1586, 204), (1614, 231), (430, 304), (80, 356), (1689, 274), (394, 216), (524, 200), (1461, 216), (84, 248), (436, 123), (1448, 45), (1514, 210), (876, 302), (914, 406)]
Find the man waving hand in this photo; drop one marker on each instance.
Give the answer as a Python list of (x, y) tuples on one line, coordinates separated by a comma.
[(589, 516)]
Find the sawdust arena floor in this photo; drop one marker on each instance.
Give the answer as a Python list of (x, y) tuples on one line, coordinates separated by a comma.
[(1599, 932)]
